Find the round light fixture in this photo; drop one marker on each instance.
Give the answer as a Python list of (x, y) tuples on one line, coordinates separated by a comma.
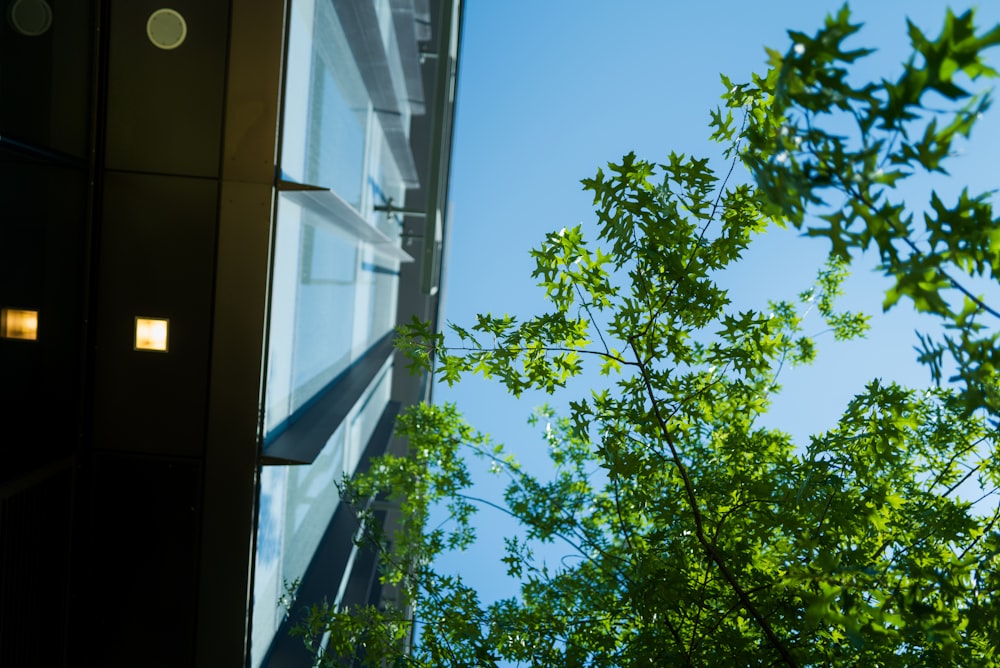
[(31, 18), (166, 29)]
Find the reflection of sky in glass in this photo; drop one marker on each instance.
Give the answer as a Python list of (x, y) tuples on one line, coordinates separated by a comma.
[(272, 501), (332, 295), (297, 78), (268, 584), (336, 145), (297, 504), (284, 285), (310, 501), (323, 319), (325, 312), (382, 311), (329, 255), (326, 113)]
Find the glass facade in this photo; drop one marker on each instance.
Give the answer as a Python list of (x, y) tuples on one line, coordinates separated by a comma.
[(327, 109), (296, 504), (227, 187), (333, 292), (333, 295)]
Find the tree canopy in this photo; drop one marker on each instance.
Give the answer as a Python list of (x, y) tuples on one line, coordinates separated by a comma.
[(703, 537)]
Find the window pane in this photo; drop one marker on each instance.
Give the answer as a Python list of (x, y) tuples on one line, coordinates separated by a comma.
[(333, 297), (296, 506), (326, 105)]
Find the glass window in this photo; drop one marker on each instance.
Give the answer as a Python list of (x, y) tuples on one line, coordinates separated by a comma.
[(327, 109), (296, 506), (333, 293), (268, 587), (333, 297)]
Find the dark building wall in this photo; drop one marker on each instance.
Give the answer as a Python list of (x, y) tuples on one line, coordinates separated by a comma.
[(46, 84), (136, 181), (156, 207), (139, 181)]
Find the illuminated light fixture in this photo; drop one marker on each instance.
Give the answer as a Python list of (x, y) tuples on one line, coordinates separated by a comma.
[(166, 29), (18, 324), (151, 334)]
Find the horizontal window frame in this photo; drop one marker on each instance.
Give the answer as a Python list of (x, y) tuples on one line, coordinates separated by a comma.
[(300, 437)]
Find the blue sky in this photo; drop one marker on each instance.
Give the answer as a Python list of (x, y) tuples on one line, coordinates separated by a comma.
[(550, 90)]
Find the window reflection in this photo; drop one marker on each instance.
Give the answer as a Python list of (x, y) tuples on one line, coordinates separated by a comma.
[(333, 297), (296, 504), (327, 107), (336, 138)]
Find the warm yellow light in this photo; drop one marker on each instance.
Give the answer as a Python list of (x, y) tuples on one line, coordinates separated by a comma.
[(151, 334), (18, 324)]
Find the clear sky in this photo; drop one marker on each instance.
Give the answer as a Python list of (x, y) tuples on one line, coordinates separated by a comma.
[(549, 90)]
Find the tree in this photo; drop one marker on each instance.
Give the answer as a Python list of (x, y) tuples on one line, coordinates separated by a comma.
[(704, 538)]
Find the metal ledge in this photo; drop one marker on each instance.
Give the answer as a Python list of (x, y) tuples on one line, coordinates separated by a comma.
[(327, 204), (306, 432)]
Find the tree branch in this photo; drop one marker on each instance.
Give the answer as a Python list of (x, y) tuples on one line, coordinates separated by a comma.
[(707, 545)]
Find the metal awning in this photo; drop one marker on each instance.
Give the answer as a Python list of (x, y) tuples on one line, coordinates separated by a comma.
[(334, 210)]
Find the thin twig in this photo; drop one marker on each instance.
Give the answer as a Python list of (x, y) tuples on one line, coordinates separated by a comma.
[(707, 545)]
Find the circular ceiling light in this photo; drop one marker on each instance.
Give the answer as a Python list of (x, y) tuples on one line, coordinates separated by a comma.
[(30, 17), (166, 29)]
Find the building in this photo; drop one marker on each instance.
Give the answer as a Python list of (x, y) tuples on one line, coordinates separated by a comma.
[(212, 215)]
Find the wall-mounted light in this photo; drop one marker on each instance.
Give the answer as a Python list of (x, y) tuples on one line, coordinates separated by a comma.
[(18, 324), (166, 29), (30, 18), (151, 334)]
